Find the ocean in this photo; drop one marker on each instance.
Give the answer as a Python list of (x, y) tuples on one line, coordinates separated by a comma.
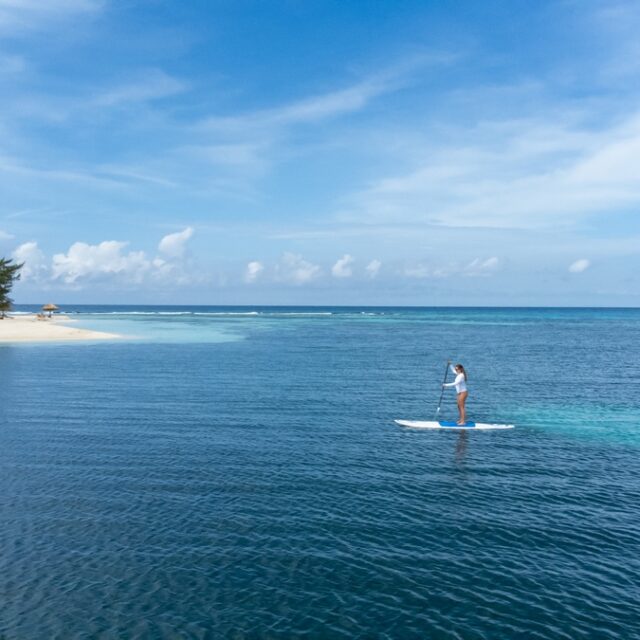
[(236, 473)]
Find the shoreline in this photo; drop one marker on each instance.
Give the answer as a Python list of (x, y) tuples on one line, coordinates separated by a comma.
[(31, 328)]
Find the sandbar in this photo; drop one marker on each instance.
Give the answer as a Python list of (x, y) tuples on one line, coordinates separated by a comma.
[(31, 328)]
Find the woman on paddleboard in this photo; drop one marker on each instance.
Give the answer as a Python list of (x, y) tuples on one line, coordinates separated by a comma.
[(460, 383)]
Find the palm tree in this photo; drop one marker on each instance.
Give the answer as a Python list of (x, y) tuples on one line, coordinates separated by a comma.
[(9, 274)]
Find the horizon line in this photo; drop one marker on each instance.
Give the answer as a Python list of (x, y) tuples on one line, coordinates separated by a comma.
[(325, 306)]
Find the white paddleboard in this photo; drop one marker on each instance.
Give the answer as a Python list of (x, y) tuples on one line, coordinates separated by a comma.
[(443, 424)]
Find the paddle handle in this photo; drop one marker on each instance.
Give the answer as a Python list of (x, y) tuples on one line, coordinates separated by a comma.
[(446, 371)]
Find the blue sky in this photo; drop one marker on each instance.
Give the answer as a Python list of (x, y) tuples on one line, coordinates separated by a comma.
[(303, 152)]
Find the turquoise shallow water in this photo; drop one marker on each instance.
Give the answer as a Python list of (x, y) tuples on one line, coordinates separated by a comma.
[(218, 474)]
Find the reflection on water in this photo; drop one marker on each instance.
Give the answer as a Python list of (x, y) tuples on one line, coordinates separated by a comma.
[(461, 446)]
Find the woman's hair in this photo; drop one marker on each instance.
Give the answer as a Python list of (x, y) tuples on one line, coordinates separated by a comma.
[(464, 373)]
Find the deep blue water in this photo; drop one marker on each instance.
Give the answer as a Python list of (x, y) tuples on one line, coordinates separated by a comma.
[(223, 475)]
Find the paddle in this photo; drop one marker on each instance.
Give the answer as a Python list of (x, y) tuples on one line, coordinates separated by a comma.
[(446, 371)]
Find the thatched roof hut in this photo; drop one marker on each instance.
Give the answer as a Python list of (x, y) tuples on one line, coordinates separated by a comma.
[(50, 307)]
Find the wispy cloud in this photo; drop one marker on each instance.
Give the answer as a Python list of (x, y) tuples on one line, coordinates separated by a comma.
[(479, 267), (254, 140), (18, 168), (149, 85), (245, 157), (135, 174), (518, 174), (309, 110), (419, 271), (18, 15), (332, 103), (615, 24), (218, 156), (475, 268), (101, 95)]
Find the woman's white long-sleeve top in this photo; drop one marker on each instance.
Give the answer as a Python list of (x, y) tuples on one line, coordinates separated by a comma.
[(459, 383)]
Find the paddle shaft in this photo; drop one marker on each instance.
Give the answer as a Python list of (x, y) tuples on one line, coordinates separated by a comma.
[(446, 371)]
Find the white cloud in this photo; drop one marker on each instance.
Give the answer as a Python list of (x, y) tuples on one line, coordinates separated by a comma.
[(4, 235), (579, 266), (330, 104), (110, 261), (342, 268), (254, 269), (107, 258), (294, 268), (33, 258), (174, 244), (373, 268)]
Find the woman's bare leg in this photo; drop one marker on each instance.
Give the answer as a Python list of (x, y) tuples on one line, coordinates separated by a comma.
[(462, 398)]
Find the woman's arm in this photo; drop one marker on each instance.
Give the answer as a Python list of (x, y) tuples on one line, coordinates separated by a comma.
[(458, 380)]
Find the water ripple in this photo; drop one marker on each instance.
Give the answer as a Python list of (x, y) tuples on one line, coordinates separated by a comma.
[(251, 490)]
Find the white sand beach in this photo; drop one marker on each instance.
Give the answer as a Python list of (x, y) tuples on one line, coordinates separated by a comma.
[(30, 328)]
